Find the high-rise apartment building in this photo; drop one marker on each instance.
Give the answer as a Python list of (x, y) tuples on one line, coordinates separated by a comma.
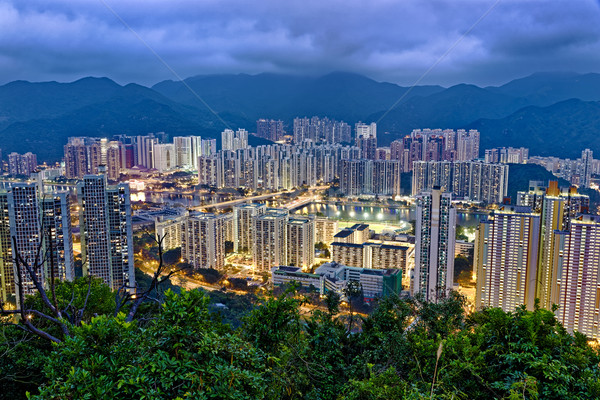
[(373, 255), (41, 227), (26, 232), (203, 241), (170, 231), (57, 234), (185, 153), (207, 170), (270, 129), (22, 164), (76, 158), (468, 180), (467, 145), (557, 207), (435, 145), (84, 155), (270, 246), (507, 155), (113, 160), (365, 130), (106, 231), (7, 278), (321, 130), (370, 177), (145, 150), (165, 157), (587, 161), (506, 258), (325, 229), (233, 141), (578, 276), (301, 242), (435, 237), (243, 225)]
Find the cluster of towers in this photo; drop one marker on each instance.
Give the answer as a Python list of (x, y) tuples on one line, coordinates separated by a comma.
[(35, 229), (547, 247)]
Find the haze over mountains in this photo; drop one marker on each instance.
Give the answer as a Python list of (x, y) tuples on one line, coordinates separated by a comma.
[(551, 113)]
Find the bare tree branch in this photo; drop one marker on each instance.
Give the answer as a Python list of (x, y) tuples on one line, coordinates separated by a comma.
[(22, 266), (153, 284)]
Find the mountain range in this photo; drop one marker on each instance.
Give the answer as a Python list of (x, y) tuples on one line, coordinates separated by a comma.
[(551, 113)]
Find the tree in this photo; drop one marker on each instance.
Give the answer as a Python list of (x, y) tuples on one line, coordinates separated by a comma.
[(183, 353), (47, 313), (23, 354)]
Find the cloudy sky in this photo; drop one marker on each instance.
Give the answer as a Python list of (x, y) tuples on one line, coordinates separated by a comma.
[(475, 41)]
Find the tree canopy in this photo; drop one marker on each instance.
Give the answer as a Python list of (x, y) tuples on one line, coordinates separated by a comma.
[(404, 349)]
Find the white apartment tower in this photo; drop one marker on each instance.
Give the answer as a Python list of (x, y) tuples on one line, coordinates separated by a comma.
[(203, 241), (106, 231), (243, 225), (233, 141), (301, 242), (365, 130), (164, 157), (270, 240), (434, 245)]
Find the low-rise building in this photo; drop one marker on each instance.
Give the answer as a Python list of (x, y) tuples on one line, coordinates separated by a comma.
[(374, 283), (282, 275), (462, 248)]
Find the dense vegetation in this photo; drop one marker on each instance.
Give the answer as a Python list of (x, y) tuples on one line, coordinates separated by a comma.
[(405, 349)]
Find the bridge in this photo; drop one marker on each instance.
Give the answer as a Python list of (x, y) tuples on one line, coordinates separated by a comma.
[(231, 203), (299, 202)]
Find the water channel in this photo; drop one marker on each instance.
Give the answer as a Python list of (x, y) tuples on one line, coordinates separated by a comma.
[(369, 214)]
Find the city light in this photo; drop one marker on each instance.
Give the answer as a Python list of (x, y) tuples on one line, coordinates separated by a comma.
[(380, 216), (352, 214)]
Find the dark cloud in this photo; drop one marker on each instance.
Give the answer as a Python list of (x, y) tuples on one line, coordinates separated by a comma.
[(388, 40)]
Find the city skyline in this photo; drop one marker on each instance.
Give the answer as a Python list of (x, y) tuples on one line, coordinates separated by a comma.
[(442, 42)]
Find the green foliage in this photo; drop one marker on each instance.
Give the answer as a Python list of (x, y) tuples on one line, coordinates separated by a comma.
[(406, 349), (101, 299), (384, 386), (460, 233), (172, 256), (209, 275), (184, 353), (22, 360), (238, 306), (23, 355)]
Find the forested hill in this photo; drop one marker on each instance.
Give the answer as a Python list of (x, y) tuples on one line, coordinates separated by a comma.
[(552, 113)]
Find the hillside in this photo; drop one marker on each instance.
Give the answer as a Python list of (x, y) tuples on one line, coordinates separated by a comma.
[(544, 89), (562, 129), (539, 111), (339, 95), (91, 107), (454, 108)]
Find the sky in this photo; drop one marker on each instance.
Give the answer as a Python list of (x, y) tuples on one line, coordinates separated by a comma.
[(484, 42)]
